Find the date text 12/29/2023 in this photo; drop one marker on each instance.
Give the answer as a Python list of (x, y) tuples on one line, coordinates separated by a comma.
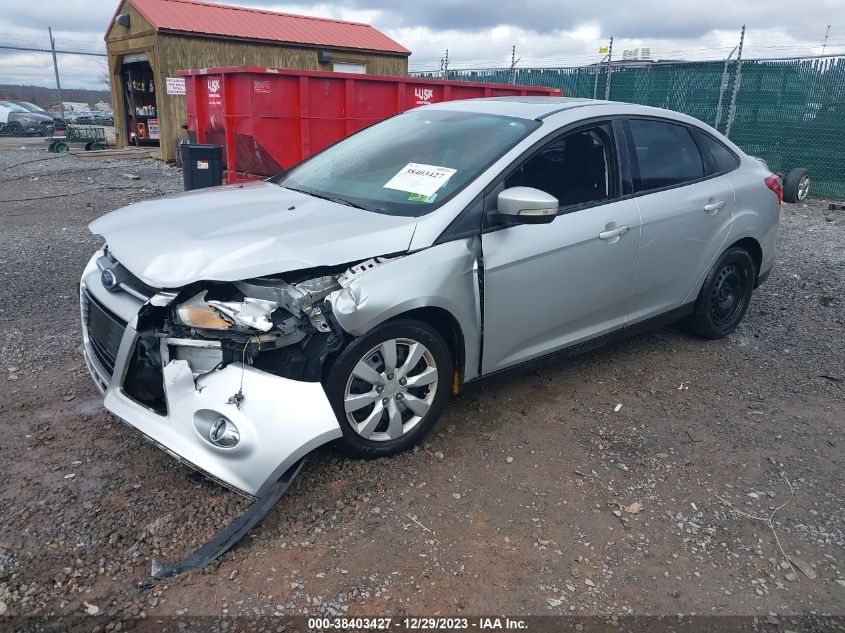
[(415, 624)]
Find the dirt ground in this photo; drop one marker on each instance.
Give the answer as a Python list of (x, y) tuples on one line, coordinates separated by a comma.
[(538, 494)]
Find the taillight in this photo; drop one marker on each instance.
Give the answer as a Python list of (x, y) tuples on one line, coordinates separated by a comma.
[(774, 183)]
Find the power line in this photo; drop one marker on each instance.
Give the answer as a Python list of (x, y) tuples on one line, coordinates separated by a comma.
[(482, 69), (47, 50), (575, 60)]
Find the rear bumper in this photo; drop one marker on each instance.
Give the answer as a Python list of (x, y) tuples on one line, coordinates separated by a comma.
[(279, 420)]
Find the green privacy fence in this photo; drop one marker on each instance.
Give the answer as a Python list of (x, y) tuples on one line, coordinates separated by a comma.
[(791, 112)]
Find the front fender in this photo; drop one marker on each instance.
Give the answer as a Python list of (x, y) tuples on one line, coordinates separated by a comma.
[(443, 276)]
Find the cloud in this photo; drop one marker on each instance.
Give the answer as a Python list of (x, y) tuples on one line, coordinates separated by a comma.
[(548, 32), (26, 18), (660, 19), (481, 33)]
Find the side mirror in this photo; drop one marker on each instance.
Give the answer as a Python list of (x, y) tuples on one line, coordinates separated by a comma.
[(526, 205)]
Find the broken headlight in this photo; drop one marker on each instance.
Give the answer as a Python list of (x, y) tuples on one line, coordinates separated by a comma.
[(246, 315)]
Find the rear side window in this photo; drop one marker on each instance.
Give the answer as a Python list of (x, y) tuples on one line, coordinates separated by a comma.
[(724, 159), (666, 153)]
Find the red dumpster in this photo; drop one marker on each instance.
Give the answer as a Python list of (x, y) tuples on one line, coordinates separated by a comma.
[(268, 119)]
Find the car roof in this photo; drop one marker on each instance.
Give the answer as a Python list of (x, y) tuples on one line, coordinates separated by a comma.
[(526, 107), (535, 107)]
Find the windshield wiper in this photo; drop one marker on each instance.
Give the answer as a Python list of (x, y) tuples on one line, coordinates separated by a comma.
[(329, 198)]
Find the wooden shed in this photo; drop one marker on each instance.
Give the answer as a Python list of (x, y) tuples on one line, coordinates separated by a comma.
[(148, 41)]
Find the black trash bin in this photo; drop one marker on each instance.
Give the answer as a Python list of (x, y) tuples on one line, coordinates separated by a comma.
[(202, 165)]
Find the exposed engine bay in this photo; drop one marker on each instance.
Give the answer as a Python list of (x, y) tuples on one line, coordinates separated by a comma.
[(282, 325), (231, 376)]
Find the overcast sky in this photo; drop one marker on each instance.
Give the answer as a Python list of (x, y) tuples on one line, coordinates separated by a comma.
[(480, 33)]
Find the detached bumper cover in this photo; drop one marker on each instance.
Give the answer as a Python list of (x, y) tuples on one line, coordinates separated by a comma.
[(279, 420)]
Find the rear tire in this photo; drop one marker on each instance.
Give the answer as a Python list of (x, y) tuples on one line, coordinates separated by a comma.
[(725, 295), (388, 388), (796, 185)]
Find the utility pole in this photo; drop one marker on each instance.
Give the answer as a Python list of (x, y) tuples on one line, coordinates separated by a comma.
[(514, 62), (596, 77), (722, 87), (56, 69), (826, 34), (444, 66), (609, 60), (737, 81)]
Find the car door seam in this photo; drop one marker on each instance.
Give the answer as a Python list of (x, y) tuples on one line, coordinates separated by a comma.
[(636, 261), (718, 252)]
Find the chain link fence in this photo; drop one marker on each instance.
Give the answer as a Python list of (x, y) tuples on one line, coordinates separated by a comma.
[(73, 88), (790, 112)]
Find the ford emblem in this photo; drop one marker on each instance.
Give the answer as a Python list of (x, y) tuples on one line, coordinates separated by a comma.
[(108, 279)]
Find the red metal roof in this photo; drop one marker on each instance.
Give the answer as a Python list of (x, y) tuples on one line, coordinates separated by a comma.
[(219, 19)]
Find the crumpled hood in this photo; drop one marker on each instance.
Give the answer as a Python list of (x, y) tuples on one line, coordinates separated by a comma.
[(239, 231)]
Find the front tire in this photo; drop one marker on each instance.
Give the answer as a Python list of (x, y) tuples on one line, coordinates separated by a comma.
[(388, 388), (725, 295)]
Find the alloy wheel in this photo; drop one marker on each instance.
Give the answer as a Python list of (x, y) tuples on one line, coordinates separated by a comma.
[(803, 188)]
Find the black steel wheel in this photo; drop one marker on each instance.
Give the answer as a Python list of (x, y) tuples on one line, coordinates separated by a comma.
[(725, 295)]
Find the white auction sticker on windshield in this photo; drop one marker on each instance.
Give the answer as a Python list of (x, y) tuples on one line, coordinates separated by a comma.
[(423, 180)]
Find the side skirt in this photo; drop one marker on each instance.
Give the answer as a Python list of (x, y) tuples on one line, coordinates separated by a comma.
[(653, 323)]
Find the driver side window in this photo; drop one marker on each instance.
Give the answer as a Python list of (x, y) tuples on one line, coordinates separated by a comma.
[(577, 168)]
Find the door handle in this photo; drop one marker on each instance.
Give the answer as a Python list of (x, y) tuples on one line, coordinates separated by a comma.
[(712, 207), (611, 233)]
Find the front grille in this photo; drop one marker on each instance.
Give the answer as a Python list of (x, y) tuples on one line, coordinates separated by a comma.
[(105, 331), (144, 379), (128, 282), (138, 288)]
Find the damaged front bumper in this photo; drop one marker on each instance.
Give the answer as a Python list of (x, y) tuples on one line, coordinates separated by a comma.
[(276, 422)]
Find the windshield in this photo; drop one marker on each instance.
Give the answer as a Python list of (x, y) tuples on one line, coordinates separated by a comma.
[(409, 164), (30, 106), (14, 107)]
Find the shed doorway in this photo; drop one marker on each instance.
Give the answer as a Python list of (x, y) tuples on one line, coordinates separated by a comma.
[(140, 110)]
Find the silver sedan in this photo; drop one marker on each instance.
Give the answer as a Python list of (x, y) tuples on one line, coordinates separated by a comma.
[(347, 299)]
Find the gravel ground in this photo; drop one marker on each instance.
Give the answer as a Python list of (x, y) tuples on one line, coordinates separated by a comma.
[(537, 494)]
